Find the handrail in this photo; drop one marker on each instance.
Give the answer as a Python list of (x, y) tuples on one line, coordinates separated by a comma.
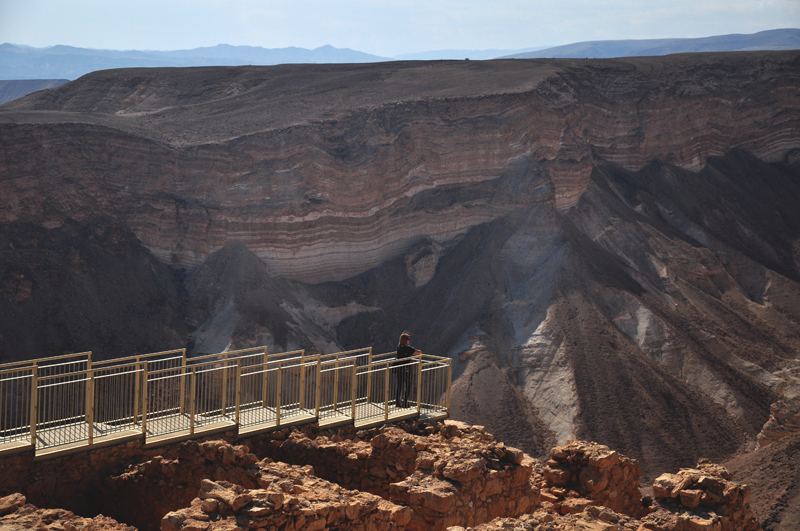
[(138, 396), (38, 360), (139, 357)]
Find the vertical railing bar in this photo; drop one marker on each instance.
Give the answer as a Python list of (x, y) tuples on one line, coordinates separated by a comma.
[(336, 385), (144, 402), (182, 397), (353, 391), (34, 401), (238, 389), (449, 383), (279, 397), (266, 376), (88, 368), (225, 385), (192, 400), (302, 397), (419, 384), (136, 393), (369, 377), (318, 389), (386, 403), (90, 400)]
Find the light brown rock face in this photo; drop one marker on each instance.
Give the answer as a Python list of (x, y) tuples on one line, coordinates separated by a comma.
[(259, 157)]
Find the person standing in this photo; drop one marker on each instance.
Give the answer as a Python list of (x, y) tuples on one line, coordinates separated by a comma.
[(403, 370)]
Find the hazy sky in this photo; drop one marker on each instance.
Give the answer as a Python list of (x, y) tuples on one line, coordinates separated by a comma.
[(385, 28)]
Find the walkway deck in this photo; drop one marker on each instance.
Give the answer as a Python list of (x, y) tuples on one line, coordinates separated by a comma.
[(67, 404)]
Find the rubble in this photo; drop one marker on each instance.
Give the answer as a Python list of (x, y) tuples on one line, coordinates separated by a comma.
[(289, 498), (704, 498), (18, 515), (592, 519)]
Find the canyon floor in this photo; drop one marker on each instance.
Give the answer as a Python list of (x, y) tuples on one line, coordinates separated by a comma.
[(608, 250)]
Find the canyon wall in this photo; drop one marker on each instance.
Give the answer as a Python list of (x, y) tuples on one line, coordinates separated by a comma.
[(608, 249)]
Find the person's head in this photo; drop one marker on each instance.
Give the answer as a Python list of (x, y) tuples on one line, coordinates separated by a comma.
[(404, 339)]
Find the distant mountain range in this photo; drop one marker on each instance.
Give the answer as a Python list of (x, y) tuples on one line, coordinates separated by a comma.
[(22, 62), (433, 55), (67, 62), (779, 39)]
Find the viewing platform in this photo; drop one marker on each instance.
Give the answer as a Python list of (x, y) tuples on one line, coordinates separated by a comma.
[(69, 403)]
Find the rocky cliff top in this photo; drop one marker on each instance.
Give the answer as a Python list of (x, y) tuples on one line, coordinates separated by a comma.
[(189, 106)]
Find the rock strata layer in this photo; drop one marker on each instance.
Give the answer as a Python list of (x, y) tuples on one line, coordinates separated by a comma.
[(784, 421)]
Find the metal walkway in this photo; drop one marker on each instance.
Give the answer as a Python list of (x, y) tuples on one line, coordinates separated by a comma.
[(68, 403)]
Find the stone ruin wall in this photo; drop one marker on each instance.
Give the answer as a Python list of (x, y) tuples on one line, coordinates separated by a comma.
[(413, 476)]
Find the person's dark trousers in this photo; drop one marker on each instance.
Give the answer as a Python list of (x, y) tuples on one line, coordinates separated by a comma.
[(402, 379)]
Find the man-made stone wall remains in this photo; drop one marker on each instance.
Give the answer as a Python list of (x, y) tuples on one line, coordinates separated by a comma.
[(422, 476), (77, 482), (290, 498), (580, 474), (446, 472), (706, 498)]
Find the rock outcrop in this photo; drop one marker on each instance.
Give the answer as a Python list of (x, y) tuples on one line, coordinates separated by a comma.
[(784, 421)]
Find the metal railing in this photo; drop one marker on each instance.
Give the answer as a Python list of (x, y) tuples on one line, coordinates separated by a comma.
[(68, 401)]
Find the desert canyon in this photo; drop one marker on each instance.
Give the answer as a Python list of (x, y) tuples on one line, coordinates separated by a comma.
[(608, 250)]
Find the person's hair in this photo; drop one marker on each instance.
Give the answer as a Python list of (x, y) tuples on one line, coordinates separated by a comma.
[(403, 336)]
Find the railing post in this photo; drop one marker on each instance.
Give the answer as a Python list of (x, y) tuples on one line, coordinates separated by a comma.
[(386, 401), (183, 382), (302, 381), (279, 397), (369, 376), (266, 375), (336, 385), (354, 390), (449, 384), (193, 387), (318, 386), (419, 384), (34, 402), (144, 401), (225, 385), (90, 411), (238, 388)]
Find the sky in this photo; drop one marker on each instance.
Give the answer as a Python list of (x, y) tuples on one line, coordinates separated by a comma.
[(386, 28)]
